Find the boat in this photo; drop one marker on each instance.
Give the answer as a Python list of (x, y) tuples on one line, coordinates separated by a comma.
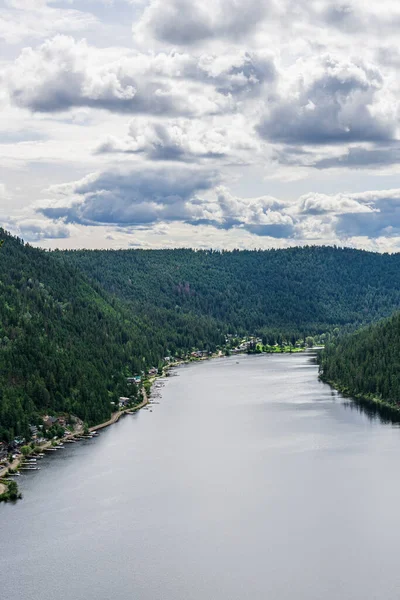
[(29, 468)]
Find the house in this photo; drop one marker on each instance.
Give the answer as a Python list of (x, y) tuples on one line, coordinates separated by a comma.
[(244, 345), (136, 379), (123, 401), (49, 421), (153, 371)]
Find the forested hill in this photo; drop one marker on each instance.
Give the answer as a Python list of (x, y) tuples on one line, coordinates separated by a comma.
[(74, 325), (295, 290), (65, 344), (367, 362), (61, 341)]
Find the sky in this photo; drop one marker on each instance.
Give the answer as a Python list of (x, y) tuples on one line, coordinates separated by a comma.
[(200, 123)]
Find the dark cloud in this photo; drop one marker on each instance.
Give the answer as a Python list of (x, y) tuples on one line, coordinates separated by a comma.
[(360, 158), (188, 22), (145, 197), (138, 197), (65, 98), (366, 20), (34, 230), (334, 108), (372, 156), (149, 196), (68, 82), (343, 17)]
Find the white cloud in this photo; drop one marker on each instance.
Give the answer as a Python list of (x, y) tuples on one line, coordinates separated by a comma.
[(30, 228), (62, 74), (217, 96), (262, 216), (185, 140), (146, 197), (319, 204), (370, 214), (34, 19), (216, 118), (330, 101)]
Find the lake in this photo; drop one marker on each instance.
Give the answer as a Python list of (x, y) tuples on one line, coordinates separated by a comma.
[(250, 479)]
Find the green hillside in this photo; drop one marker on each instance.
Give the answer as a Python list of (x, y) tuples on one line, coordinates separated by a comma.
[(292, 291), (367, 362), (74, 325), (64, 344)]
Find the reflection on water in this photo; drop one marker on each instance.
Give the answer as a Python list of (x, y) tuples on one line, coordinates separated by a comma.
[(373, 411)]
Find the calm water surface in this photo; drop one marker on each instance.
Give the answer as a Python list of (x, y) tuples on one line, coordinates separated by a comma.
[(248, 481)]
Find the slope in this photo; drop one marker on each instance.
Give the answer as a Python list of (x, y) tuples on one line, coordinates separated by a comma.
[(367, 362), (64, 345), (292, 291)]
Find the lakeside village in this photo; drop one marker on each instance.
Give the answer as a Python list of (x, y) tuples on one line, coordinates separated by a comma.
[(22, 454)]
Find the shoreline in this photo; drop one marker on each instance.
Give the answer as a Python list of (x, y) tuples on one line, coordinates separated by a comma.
[(380, 407), (191, 360), (4, 473), (16, 463), (118, 414)]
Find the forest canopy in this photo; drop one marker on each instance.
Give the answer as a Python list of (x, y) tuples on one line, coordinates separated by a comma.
[(366, 363), (75, 324)]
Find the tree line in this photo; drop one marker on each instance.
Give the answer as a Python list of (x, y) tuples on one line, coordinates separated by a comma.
[(366, 362), (74, 325)]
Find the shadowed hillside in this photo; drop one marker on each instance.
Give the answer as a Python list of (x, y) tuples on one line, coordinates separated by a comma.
[(367, 362), (297, 290)]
